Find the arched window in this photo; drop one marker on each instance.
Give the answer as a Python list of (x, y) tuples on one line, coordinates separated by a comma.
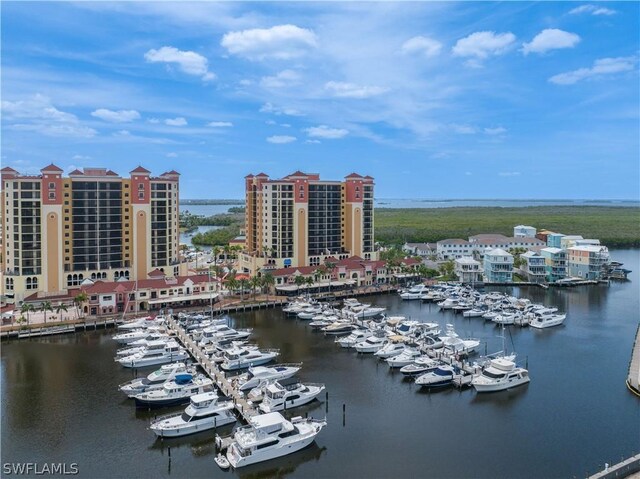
[(9, 284), (69, 280), (116, 275), (93, 276), (104, 275)]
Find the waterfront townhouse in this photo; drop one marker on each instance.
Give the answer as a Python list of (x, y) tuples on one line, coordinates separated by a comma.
[(522, 230), (534, 267), (468, 270), (58, 231), (453, 248), (554, 240), (301, 220), (568, 241), (498, 266), (588, 262), (555, 260), (526, 242), (424, 250)]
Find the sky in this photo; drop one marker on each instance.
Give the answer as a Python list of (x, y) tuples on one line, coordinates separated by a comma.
[(432, 99)]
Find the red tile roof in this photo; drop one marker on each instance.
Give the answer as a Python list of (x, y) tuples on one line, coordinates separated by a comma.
[(52, 167), (172, 172), (156, 273), (262, 175), (8, 169), (140, 169), (297, 173), (353, 175), (76, 172), (249, 176), (104, 287)]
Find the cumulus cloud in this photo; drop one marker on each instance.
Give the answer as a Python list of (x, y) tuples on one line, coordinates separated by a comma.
[(220, 124), (281, 139), (120, 116), (481, 45), (270, 108), (39, 115), (179, 121), (313, 142), (592, 10), (424, 46), (509, 173), (601, 67), (282, 79), (323, 131), (191, 63), (281, 42), (495, 131), (550, 39), (351, 90)]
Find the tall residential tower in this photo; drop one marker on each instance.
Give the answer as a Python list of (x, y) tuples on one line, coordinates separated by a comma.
[(302, 220), (59, 231)]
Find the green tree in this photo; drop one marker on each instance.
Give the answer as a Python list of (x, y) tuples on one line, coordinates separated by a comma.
[(255, 283), (299, 281), (330, 268), (232, 283), (309, 280), (44, 307), (78, 300), (244, 283), (447, 270), (27, 308), (60, 308), (268, 281)]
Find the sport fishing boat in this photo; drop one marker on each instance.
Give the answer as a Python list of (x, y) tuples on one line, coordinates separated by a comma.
[(371, 344)]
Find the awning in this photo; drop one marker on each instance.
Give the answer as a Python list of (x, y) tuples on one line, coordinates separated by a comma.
[(188, 297), (293, 287)]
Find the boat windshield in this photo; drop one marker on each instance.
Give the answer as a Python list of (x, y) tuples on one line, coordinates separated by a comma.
[(442, 372), (186, 417), (492, 375)]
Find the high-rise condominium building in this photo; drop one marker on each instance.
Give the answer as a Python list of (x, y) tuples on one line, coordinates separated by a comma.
[(302, 220), (59, 231)]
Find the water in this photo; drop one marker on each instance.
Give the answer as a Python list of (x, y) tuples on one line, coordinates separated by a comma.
[(60, 402), (206, 210)]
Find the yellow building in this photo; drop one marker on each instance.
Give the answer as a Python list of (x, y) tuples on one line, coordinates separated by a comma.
[(301, 220), (59, 231)]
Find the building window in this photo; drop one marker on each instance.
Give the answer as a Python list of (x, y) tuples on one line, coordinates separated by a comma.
[(141, 195), (52, 195), (52, 186), (32, 283)]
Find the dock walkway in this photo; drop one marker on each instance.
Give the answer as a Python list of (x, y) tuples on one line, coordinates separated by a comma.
[(244, 407)]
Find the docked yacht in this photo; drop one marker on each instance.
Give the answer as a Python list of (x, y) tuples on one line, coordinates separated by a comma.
[(174, 392), (338, 328), (140, 344), (143, 323), (156, 353), (239, 358), (415, 292), (505, 318), (502, 373), (369, 312), (439, 377), (204, 412), (406, 357), (371, 344), (155, 380), (452, 343), (218, 333), (420, 365), (540, 321), (310, 312), (394, 346), (269, 436), (288, 393), (322, 322), (136, 335), (258, 374), (355, 337), (474, 312)]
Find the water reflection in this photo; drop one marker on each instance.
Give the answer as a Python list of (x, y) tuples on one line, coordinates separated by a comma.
[(283, 466)]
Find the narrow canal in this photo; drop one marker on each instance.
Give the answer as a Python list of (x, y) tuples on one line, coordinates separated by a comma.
[(60, 401)]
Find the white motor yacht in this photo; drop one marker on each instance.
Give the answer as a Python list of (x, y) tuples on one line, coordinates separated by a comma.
[(406, 357), (141, 344), (451, 342), (155, 380), (239, 358), (269, 436), (322, 322), (355, 337), (420, 365), (394, 346), (415, 292), (502, 373), (505, 318), (175, 392), (439, 377), (214, 334), (540, 321), (287, 394), (369, 312), (338, 328), (204, 412), (258, 374), (137, 334), (154, 354), (310, 312), (474, 313), (371, 344), (143, 323)]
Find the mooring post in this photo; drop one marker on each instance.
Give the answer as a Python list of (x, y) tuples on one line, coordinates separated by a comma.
[(344, 414)]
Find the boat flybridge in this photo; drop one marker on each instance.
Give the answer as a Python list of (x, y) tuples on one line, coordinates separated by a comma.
[(502, 373), (156, 352), (269, 436), (137, 334), (204, 412), (415, 292), (239, 358), (144, 323), (394, 346), (259, 374), (155, 380), (288, 393), (175, 392)]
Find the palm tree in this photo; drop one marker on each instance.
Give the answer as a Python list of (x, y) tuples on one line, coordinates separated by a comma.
[(60, 308), (316, 277), (299, 281), (309, 280), (198, 249), (243, 285), (46, 306), (215, 253), (27, 308), (330, 267), (232, 284), (255, 282), (226, 249), (268, 280), (78, 300)]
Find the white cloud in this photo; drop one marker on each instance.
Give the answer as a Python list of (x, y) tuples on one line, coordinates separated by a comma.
[(172, 154), (120, 116), (323, 131), (550, 39), (425, 46), (191, 63), (482, 45), (351, 90), (281, 139), (283, 79), (39, 115), (603, 66), (153, 121), (464, 129), (495, 131), (285, 125), (270, 108), (81, 158), (220, 124), (509, 173), (313, 142), (281, 42), (179, 121), (592, 10), (122, 133)]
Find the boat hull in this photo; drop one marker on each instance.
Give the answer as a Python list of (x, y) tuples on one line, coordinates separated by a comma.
[(501, 386), (261, 456), (194, 427)]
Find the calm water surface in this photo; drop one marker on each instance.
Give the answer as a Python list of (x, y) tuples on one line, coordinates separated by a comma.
[(60, 402)]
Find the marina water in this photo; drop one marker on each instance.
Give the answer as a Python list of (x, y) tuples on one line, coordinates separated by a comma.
[(60, 401)]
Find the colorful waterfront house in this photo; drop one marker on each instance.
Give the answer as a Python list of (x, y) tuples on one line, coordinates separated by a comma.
[(453, 248), (535, 267), (569, 241), (555, 263), (468, 270), (588, 262), (498, 266), (554, 240), (543, 235), (522, 230)]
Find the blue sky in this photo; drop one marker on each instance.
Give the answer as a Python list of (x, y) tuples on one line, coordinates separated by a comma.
[(435, 100)]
